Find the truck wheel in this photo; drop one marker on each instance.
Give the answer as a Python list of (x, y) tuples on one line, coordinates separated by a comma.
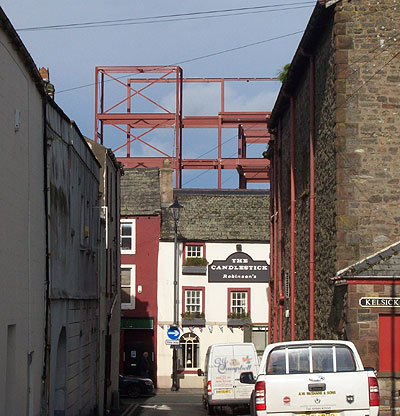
[(210, 409)]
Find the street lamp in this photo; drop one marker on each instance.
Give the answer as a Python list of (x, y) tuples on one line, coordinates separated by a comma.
[(175, 212)]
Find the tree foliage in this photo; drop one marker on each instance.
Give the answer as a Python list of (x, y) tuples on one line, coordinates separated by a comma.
[(282, 74)]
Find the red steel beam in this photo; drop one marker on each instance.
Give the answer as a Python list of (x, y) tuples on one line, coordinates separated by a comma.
[(253, 124), (251, 167)]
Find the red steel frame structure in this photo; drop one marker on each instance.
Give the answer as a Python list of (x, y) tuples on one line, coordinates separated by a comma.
[(251, 126)]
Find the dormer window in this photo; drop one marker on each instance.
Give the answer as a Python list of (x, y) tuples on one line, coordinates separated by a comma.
[(194, 251)]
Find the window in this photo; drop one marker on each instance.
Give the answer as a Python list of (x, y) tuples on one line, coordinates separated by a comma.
[(193, 300), (238, 303), (189, 350), (194, 251), (128, 286), (315, 359), (128, 242)]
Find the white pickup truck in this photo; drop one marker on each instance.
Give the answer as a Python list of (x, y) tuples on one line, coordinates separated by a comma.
[(313, 378)]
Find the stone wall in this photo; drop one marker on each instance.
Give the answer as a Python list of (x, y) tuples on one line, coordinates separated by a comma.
[(362, 328), (368, 127), (324, 191)]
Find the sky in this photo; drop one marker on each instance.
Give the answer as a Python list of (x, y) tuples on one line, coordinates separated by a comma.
[(243, 39)]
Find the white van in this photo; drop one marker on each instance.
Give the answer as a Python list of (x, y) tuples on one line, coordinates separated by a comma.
[(223, 365)]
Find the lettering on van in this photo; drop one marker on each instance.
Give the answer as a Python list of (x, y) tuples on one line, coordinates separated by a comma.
[(238, 267), (316, 393), (224, 365)]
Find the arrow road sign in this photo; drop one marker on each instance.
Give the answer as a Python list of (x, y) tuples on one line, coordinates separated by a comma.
[(173, 332)]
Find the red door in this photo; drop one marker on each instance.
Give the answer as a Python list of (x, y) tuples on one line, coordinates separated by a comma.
[(389, 343)]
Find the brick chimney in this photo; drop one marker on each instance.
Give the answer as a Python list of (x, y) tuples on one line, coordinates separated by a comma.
[(49, 87)]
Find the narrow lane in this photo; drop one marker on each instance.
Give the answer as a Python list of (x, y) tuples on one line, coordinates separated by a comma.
[(185, 402)]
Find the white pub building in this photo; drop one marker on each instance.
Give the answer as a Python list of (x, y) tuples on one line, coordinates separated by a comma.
[(221, 272)]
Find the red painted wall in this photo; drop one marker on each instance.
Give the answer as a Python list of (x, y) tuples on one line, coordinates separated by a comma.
[(146, 260)]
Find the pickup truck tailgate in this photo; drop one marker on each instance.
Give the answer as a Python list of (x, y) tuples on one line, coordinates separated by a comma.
[(329, 393)]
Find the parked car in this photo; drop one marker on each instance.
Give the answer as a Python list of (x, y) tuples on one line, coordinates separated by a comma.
[(133, 386), (323, 377), (223, 365)]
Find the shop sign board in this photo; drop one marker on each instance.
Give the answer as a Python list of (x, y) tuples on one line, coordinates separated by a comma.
[(380, 302), (239, 267)]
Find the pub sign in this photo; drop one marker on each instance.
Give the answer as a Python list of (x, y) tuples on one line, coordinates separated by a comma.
[(239, 267)]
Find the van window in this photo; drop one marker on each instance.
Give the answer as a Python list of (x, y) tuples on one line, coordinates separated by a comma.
[(299, 360), (306, 359), (322, 359), (344, 360), (277, 362)]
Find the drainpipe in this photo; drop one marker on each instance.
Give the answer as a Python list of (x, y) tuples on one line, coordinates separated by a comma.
[(312, 194), (271, 257), (292, 219), (279, 202), (274, 242), (279, 231)]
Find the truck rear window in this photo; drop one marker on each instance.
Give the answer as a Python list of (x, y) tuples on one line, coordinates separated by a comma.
[(310, 359)]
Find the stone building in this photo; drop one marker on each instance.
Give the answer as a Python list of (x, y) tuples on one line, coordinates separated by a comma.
[(50, 254), (367, 299), (109, 282), (22, 227), (335, 165)]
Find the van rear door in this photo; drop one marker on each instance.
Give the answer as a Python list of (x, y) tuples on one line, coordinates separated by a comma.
[(323, 392), (245, 359), (222, 377)]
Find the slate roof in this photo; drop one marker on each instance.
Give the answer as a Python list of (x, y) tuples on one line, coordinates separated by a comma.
[(383, 264), (140, 192), (220, 215)]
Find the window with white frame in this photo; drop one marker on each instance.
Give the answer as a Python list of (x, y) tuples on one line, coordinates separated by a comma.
[(194, 251), (189, 350), (193, 300), (128, 240), (128, 286), (239, 303)]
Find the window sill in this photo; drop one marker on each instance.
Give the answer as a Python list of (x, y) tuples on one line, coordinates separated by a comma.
[(194, 270), (238, 321), (193, 321)]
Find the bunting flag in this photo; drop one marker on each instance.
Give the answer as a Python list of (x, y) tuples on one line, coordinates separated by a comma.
[(210, 328), (201, 329), (191, 329), (161, 326), (231, 328), (242, 328), (221, 328)]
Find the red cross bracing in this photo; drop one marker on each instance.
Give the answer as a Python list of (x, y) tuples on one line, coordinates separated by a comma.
[(123, 100)]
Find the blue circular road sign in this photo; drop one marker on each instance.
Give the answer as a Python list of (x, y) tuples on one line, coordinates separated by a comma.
[(173, 332)]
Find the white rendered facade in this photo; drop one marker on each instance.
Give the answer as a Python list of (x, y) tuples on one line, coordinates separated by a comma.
[(216, 306)]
